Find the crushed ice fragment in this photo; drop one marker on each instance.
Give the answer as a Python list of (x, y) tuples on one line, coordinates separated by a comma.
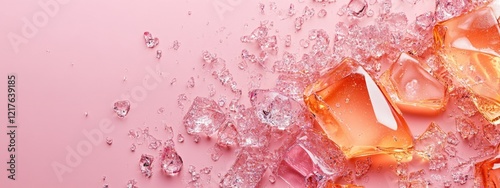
[(274, 109), (133, 147), (176, 45), (171, 161), (146, 165), (158, 54), (180, 138), (190, 83), (357, 7), (132, 184), (204, 116), (228, 135), (109, 141), (151, 41), (122, 108)]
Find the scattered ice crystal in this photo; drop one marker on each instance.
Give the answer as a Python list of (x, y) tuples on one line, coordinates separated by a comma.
[(122, 108), (274, 109), (196, 138), (133, 147), (190, 83), (180, 138), (204, 116), (176, 45), (170, 132), (146, 165), (322, 13), (357, 7), (216, 153), (171, 162), (151, 41), (158, 54), (228, 135), (132, 184), (109, 140), (160, 110), (291, 10), (466, 127), (288, 40)]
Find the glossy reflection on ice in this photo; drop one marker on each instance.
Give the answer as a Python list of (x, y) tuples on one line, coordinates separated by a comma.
[(412, 88), (356, 114), (470, 46)]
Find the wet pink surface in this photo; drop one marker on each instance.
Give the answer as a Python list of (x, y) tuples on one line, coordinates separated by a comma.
[(77, 62)]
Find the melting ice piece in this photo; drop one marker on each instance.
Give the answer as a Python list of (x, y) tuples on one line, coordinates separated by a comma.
[(344, 94), (146, 165), (171, 161), (412, 88), (122, 108), (204, 116)]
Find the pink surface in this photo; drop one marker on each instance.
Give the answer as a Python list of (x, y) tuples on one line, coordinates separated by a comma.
[(77, 62)]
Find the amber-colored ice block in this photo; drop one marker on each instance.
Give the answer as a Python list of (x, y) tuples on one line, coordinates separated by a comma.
[(469, 46), (356, 114), (488, 172)]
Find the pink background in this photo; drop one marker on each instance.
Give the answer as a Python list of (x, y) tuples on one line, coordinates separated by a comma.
[(77, 61)]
